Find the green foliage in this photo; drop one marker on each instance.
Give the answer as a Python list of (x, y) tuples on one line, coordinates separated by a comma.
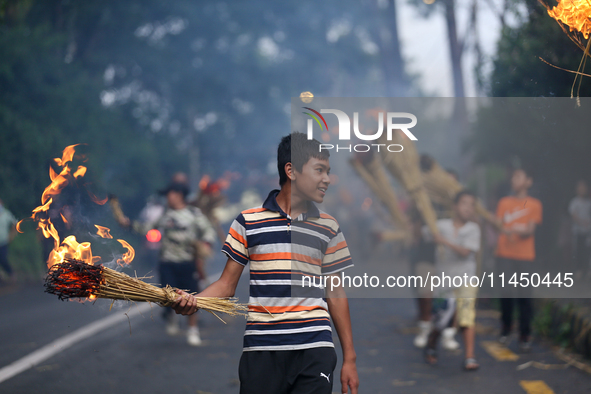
[(134, 79), (551, 322), (552, 144), (24, 255), (45, 105)]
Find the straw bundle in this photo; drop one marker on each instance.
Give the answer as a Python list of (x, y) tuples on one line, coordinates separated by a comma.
[(370, 169), (405, 167), (443, 187), (76, 279)]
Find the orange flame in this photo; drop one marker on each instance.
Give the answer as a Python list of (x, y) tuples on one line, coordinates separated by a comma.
[(69, 248), (103, 232), (128, 256), (576, 14)]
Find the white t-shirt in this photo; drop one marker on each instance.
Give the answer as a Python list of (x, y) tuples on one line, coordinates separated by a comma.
[(446, 259), (581, 208)]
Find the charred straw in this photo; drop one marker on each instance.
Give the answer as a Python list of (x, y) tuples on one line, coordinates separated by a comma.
[(74, 279)]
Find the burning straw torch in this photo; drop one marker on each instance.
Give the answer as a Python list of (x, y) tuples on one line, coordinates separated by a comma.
[(73, 272)]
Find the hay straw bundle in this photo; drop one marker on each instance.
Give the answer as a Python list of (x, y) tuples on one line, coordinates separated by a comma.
[(442, 187), (76, 279), (405, 167), (370, 169)]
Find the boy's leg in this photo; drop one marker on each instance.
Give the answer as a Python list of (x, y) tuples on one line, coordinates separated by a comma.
[(525, 316), (313, 371), (186, 279), (524, 303), (263, 372), (425, 324), (4, 260), (466, 317), (425, 304), (468, 333), (507, 267), (506, 316)]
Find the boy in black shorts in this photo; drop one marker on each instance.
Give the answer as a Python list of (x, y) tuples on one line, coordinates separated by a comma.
[(288, 345)]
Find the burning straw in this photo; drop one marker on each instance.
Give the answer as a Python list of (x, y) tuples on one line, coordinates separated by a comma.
[(76, 279), (574, 14)]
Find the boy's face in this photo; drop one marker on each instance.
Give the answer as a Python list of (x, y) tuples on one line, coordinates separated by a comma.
[(520, 181), (175, 199), (466, 207), (311, 184)]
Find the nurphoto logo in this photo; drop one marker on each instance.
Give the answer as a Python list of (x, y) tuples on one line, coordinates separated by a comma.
[(345, 129)]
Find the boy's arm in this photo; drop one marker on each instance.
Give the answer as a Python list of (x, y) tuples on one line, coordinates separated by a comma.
[(225, 286), (338, 307), (524, 230), (462, 251), (528, 230), (12, 233)]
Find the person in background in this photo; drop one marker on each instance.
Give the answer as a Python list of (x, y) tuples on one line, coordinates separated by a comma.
[(458, 242), (580, 212), (7, 234), (187, 237), (518, 216), (422, 259)]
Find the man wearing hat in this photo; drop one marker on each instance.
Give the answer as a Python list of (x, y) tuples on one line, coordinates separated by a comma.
[(187, 237)]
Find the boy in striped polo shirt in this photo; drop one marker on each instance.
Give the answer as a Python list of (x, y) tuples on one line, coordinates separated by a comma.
[(288, 345)]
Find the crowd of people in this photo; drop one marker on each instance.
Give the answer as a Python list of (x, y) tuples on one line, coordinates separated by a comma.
[(292, 336), (454, 251)]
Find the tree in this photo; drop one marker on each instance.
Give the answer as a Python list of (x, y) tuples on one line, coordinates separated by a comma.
[(555, 145)]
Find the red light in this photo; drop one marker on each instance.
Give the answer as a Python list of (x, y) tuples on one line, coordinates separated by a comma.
[(153, 236)]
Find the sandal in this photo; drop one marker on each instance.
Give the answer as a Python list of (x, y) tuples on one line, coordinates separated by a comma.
[(430, 356), (470, 364)]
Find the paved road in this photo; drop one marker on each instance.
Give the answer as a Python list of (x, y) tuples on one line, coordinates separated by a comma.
[(149, 361)]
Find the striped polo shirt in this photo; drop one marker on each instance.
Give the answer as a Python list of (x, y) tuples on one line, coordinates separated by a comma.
[(283, 315)]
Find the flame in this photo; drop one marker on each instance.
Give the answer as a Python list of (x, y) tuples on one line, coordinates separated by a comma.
[(103, 232), (97, 200), (128, 256), (576, 14), (70, 248)]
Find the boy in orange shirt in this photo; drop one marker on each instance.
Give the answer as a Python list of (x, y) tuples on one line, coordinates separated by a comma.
[(519, 215)]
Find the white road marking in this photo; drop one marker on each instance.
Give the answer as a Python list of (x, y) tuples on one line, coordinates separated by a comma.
[(68, 340)]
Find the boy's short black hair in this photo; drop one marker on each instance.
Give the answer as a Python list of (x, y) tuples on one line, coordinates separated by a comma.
[(461, 194), (297, 149)]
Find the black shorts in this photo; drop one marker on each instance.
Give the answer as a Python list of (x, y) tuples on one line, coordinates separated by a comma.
[(180, 275), (307, 371)]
